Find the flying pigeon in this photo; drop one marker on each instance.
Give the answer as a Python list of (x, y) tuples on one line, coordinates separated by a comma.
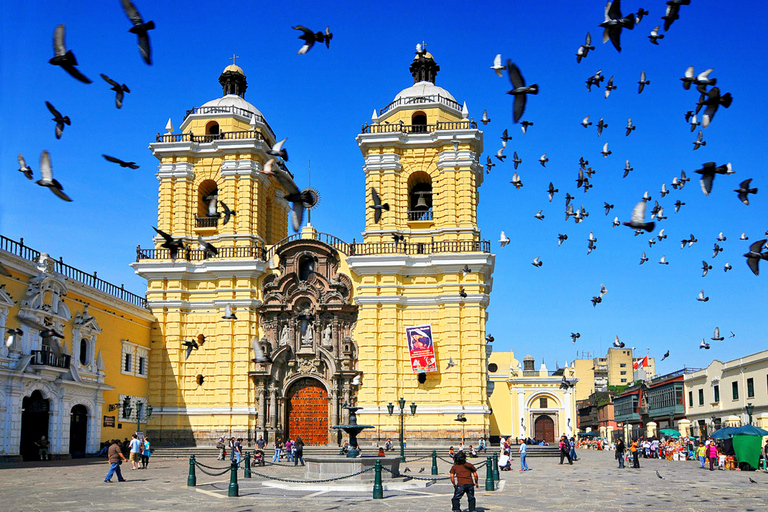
[(543, 160), (503, 239), (505, 136), (743, 191), (733, 335), (708, 171), (47, 180), (694, 123), (462, 293), (651, 242), (664, 190), (663, 260), (489, 338), (655, 36), (525, 124), (551, 191), (614, 22), (485, 119), (565, 384), (208, 249), (460, 417), (584, 49), (500, 154), (568, 198), (661, 236), (586, 122), (605, 152), (191, 345), (119, 89), (259, 357), (615, 222), (140, 29), (713, 102), (600, 126), (699, 141), (65, 58), (516, 181), (673, 9), (310, 38), (609, 87), (13, 335), (121, 163), (630, 127), (26, 171), (520, 91), (608, 207), (627, 169), (59, 119), (50, 333), (666, 355), (716, 250), (377, 206), (574, 337), (705, 268), (701, 80), (596, 301), (638, 218), (727, 267), (743, 236), (617, 343), (678, 204), (451, 364), (595, 80), (466, 270), (278, 150), (643, 258), (489, 165), (227, 212), (300, 199), (539, 215), (701, 297), (398, 238), (721, 237), (537, 262), (754, 256), (497, 67), (704, 344), (716, 336), (169, 243), (561, 238), (228, 314)]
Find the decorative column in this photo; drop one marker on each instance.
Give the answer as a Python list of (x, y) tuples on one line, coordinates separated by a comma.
[(262, 406), (521, 412), (273, 408)]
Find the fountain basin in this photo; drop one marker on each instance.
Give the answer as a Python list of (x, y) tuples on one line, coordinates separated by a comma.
[(319, 468)]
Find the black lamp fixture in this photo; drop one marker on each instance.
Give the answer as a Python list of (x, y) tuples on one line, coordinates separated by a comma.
[(390, 408), (401, 403), (750, 409), (413, 408)]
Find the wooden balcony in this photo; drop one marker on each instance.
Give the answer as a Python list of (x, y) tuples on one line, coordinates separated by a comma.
[(48, 358)]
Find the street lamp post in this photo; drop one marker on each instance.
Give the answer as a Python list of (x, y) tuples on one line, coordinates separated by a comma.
[(391, 410), (750, 409)]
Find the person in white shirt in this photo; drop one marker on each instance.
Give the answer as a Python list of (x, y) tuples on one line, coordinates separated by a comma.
[(504, 463)]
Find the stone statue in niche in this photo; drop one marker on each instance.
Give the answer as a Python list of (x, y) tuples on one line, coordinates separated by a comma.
[(309, 335), (328, 335), (284, 335), (213, 200)]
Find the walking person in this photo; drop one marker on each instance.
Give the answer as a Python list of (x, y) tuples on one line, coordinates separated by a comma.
[(114, 456), (572, 443), (222, 447), (278, 450), (238, 450), (462, 473), (523, 453), (701, 454), (712, 454), (565, 449), (145, 454), (288, 450), (620, 448), (135, 451), (299, 455), (634, 450)]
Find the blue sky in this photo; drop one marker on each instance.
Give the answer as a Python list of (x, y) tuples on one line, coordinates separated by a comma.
[(320, 100)]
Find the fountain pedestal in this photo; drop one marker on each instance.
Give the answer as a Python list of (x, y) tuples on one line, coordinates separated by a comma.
[(319, 468)]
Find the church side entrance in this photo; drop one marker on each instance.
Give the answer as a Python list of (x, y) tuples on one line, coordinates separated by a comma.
[(34, 424), (308, 412), (78, 431), (545, 429)]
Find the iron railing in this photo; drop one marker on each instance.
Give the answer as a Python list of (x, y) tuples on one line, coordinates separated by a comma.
[(255, 252), (431, 98), (335, 242), (418, 128), (206, 222), (48, 358), (230, 109), (69, 272), (190, 137), (419, 215), (418, 248)]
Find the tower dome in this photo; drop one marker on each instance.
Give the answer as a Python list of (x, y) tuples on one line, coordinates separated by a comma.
[(233, 81)]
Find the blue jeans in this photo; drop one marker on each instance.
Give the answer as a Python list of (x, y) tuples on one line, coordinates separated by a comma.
[(621, 459), (276, 458), (523, 464), (703, 460), (458, 492), (288, 456), (237, 458), (114, 468), (573, 454)]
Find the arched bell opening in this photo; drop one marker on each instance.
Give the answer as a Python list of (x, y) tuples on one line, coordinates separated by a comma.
[(419, 197)]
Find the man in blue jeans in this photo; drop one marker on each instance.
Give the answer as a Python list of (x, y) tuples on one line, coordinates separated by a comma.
[(462, 474), (523, 452), (115, 454)]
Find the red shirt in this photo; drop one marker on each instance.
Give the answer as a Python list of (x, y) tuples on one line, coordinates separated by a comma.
[(463, 473)]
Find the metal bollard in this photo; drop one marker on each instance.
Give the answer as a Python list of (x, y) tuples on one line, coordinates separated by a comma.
[(247, 465), (234, 489), (191, 479), (378, 490), (434, 462), (496, 467), (489, 486)]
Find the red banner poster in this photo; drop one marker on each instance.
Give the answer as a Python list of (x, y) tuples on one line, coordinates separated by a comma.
[(422, 348)]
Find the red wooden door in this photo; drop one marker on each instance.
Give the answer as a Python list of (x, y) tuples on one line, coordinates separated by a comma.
[(545, 429), (308, 412)]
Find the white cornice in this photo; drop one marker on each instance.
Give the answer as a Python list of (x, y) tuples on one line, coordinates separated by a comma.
[(199, 271), (176, 170), (433, 264), (206, 305), (423, 409), (423, 232), (203, 411), (218, 147), (434, 300), (420, 140)]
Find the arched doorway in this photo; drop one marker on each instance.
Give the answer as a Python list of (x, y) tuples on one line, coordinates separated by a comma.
[(544, 428), (308, 412), (34, 424), (78, 431)]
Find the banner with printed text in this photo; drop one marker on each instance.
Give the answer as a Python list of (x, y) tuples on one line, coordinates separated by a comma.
[(422, 348)]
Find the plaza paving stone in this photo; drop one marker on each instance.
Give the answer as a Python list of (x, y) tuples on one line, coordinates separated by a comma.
[(592, 483)]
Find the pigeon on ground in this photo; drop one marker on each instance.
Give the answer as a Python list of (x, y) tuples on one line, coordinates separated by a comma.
[(537, 262), (574, 337), (699, 141), (174, 246), (516, 160), (666, 355), (407, 469), (279, 150), (26, 171), (543, 160), (672, 14), (600, 126), (121, 163), (485, 119), (617, 343), (140, 29), (713, 102), (524, 126), (727, 267), (565, 383), (119, 89), (561, 238), (65, 58), (586, 122), (614, 22), (751, 481), (605, 152), (704, 344), (377, 206), (701, 80), (659, 475), (228, 314), (58, 119), (708, 171), (497, 67), (716, 336), (520, 91), (227, 212), (451, 364), (630, 127), (503, 239), (705, 268), (754, 256), (655, 36), (638, 218), (13, 335), (595, 80), (310, 38), (584, 49), (516, 181), (609, 87), (421, 470), (191, 345), (701, 297), (460, 417), (46, 177), (551, 191), (643, 258), (743, 191), (208, 249)]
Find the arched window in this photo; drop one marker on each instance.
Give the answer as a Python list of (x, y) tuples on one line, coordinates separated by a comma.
[(419, 196), (419, 122), (207, 204), (306, 267), (85, 356), (212, 128)]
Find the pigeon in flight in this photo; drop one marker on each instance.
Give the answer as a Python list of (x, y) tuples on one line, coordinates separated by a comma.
[(617, 343), (732, 335), (497, 67), (630, 127), (503, 239), (191, 345), (614, 22), (596, 300), (600, 126), (664, 190), (121, 163), (716, 336), (300, 199), (466, 270), (708, 171), (661, 235), (566, 384), (520, 91), (638, 218), (524, 126), (651, 242), (574, 337), (398, 238), (584, 49), (744, 190), (208, 249), (595, 80), (643, 258), (694, 122), (678, 204), (26, 171), (65, 58), (451, 364), (13, 335), (666, 355), (721, 237), (568, 199), (516, 160), (704, 344), (655, 36), (516, 181), (673, 10), (727, 267), (716, 250), (663, 260), (713, 102), (489, 338), (551, 191), (505, 136), (699, 141), (500, 154), (609, 87), (754, 256), (743, 236), (701, 297), (485, 119), (119, 89), (616, 223), (608, 207), (50, 333), (377, 206), (310, 38), (46, 177), (701, 80), (58, 119), (537, 262), (140, 29), (539, 215), (561, 238), (705, 268), (278, 150), (639, 15), (627, 169), (489, 165), (228, 314), (259, 357), (605, 152), (642, 82), (227, 212), (586, 122), (543, 160), (170, 243), (462, 293)]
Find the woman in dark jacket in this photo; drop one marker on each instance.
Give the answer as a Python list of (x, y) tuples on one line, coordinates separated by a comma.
[(299, 452), (620, 448)]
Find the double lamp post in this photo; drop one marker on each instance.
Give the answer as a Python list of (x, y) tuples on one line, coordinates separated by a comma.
[(391, 410)]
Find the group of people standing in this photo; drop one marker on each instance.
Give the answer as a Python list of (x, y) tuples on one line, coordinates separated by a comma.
[(293, 450), (139, 450)]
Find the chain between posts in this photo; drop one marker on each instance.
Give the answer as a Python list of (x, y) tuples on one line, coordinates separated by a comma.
[(294, 481), (417, 477)]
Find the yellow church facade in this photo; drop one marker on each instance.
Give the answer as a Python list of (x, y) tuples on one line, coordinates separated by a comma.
[(329, 316)]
